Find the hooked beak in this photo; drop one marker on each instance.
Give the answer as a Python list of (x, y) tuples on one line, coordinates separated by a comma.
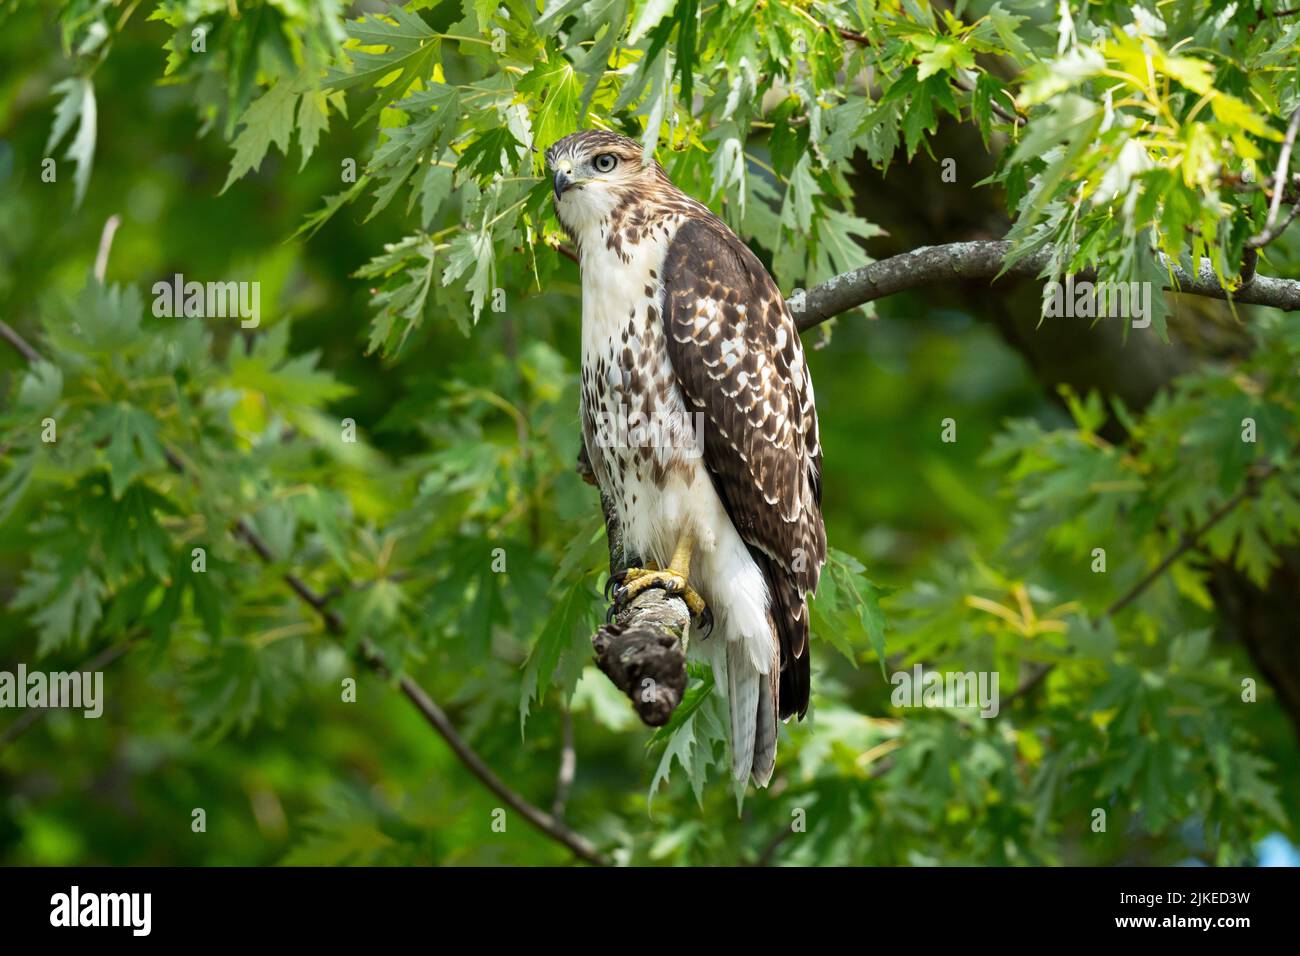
[(563, 182), (564, 178)]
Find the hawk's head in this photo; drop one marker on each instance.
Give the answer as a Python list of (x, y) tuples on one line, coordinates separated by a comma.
[(595, 173)]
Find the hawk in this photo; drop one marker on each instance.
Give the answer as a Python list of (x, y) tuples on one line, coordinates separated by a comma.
[(698, 420)]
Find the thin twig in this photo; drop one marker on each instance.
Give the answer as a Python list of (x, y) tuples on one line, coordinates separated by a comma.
[(1272, 229), (769, 852), (105, 246), (1269, 235), (555, 829), (19, 343), (1191, 539), (1014, 118)]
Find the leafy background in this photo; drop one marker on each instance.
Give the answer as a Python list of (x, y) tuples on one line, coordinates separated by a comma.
[(424, 300)]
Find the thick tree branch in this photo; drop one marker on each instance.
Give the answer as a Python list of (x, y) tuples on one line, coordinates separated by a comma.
[(643, 653), (373, 658), (985, 260)]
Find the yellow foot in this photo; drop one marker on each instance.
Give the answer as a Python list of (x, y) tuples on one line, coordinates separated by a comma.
[(633, 581), (621, 577)]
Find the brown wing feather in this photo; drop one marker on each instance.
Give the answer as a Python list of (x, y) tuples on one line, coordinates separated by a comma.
[(738, 360)]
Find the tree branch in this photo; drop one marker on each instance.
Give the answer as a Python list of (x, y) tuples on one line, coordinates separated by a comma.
[(373, 658), (642, 651), (555, 829), (18, 343), (985, 260)]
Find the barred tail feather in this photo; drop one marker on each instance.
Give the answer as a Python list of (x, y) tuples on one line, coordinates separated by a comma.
[(765, 730), (743, 682)]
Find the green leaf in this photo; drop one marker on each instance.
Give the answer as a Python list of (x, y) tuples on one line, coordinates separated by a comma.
[(472, 249), (313, 221), (687, 16), (566, 633), (77, 103), (800, 197), (268, 119), (407, 268), (557, 86), (262, 366), (14, 484), (313, 119), (41, 388), (131, 442), (490, 155), (328, 512), (681, 746), (411, 53), (67, 602), (648, 17)]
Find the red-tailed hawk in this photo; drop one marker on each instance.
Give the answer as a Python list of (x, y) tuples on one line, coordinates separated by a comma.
[(698, 420)]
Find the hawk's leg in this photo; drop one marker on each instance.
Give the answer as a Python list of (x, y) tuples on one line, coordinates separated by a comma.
[(673, 579)]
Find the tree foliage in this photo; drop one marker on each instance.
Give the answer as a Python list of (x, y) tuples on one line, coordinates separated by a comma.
[(417, 472)]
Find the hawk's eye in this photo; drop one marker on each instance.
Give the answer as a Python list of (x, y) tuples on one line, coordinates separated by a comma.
[(605, 162)]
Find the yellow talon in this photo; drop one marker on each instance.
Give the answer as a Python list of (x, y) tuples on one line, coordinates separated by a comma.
[(636, 580), (673, 579)]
